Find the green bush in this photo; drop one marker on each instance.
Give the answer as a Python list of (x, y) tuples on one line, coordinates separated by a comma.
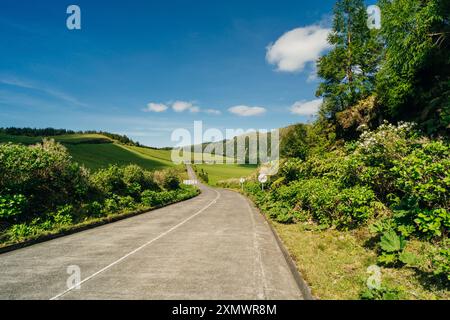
[(95, 209), (423, 176), (44, 173), (137, 179), (42, 189), (376, 153), (254, 189), (355, 206), (63, 216), (110, 206), (126, 203), (171, 180), (11, 206), (291, 170), (20, 231), (433, 223), (109, 181), (326, 203), (154, 199)]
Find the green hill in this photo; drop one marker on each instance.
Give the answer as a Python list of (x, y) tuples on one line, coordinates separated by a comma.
[(96, 151)]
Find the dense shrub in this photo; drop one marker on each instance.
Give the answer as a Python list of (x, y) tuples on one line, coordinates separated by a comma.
[(171, 180), (109, 181), (322, 200), (44, 173), (377, 152), (153, 199), (132, 180), (345, 187), (423, 177), (42, 189)]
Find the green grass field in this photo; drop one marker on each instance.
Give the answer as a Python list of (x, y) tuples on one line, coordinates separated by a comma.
[(96, 156), (97, 151), (218, 172)]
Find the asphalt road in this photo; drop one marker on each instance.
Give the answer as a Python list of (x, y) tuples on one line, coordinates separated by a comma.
[(215, 246)]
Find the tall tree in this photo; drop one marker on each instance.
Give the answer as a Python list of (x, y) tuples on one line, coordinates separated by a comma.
[(414, 80), (348, 70)]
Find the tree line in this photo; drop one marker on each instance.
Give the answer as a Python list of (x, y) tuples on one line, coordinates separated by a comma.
[(50, 132)]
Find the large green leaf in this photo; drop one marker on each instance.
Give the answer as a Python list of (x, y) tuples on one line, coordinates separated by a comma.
[(408, 258), (391, 242)]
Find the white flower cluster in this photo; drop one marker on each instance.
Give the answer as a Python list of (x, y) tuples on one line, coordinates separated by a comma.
[(369, 139)]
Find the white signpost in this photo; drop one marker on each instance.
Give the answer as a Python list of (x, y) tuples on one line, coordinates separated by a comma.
[(262, 178), (190, 182), (242, 181)]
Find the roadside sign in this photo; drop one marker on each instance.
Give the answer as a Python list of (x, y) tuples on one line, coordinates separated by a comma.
[(190, 182), (262, 178), (242, 181)]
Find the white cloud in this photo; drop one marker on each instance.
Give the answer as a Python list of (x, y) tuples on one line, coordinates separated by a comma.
[(194, 109), (306, 108), (246, 111), (293, 50), (181, 106), (213, 112), (156, 107)]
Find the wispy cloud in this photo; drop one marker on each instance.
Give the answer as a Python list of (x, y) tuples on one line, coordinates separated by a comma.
[(155, 107), (306, 108), (246, 111), (60, 95), (194, 109), (179, 107), (298, 47), (213, 112)]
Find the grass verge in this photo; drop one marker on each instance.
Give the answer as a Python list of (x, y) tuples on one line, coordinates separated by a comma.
[(334, 263)]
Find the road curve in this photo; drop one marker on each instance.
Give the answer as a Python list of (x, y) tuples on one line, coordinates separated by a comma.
[(215, 246)]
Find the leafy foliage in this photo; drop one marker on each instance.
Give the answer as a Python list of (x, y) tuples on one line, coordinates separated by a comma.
[(43, 173), (11, 206), (383, 293), (414, 78), (42, 189)]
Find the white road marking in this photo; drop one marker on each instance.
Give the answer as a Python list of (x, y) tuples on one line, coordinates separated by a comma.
[(140, 248)]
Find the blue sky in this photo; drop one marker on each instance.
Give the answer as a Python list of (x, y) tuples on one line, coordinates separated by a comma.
[(145, 68)]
